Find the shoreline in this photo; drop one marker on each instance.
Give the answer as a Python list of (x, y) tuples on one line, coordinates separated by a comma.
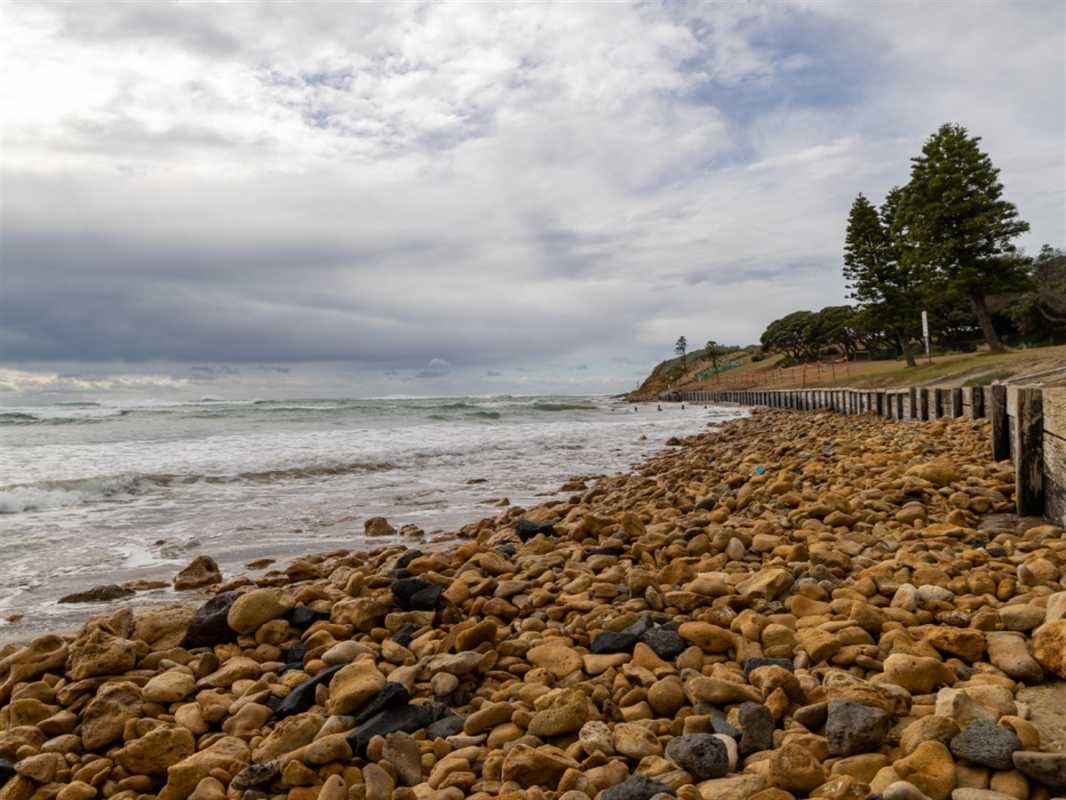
[(147, 536), (785, 602)]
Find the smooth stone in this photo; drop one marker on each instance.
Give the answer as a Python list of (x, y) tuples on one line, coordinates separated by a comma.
[(354, 685), (1046, 768), (903, 790), (734, 787), (402, 751), (1009, 652), (755, 662), (607, 642), (209, 626), (416, 594)]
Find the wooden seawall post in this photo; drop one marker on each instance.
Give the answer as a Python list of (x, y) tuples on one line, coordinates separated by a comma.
[(1029, 453)]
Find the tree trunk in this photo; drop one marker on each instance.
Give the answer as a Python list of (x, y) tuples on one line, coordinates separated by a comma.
[(905, 349), (908, 352), (977, 297)]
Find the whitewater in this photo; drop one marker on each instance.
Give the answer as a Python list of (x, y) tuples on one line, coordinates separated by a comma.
[(108, 492)]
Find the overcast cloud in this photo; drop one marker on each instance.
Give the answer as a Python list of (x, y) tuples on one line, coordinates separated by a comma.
[(427, 198)]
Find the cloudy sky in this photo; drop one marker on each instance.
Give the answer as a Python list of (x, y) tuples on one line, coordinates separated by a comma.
[(426, 198)]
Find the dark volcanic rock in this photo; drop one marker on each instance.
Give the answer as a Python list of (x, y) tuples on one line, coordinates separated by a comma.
[(852, 728), (526, 529), (416, 594), (390, 696), (701, 755), (451, 725), (303, 696), (613, 642), (720, 724), (666, 644), (406, 718), (812, 716), (1046, 768), (986, 743), (756, 728), (641, 626), (611, 550), (98, 594), (636, 787), (305, 616), (294, 656), (404, 635), (209, 626), (407, 558)]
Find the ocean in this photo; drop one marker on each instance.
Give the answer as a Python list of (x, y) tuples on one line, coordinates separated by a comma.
[(107, 492)]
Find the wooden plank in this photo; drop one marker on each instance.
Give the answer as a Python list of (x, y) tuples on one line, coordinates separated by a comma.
[(1055, 455), (956, 401), (1029, 453), (977, 402), (997, 411)]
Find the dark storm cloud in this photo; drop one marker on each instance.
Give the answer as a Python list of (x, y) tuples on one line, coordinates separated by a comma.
[(101, 298)]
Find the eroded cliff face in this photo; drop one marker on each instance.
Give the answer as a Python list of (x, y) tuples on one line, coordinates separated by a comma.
[(658, 381)]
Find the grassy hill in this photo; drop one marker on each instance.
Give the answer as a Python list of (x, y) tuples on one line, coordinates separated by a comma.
[(1044, 365)]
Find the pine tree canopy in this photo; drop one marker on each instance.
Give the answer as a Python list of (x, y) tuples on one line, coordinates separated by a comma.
[(954, 211)]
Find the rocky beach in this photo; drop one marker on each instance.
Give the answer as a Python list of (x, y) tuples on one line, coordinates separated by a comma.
[(789, 605)]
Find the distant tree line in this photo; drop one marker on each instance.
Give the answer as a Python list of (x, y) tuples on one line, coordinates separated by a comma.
[(943, 243)]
